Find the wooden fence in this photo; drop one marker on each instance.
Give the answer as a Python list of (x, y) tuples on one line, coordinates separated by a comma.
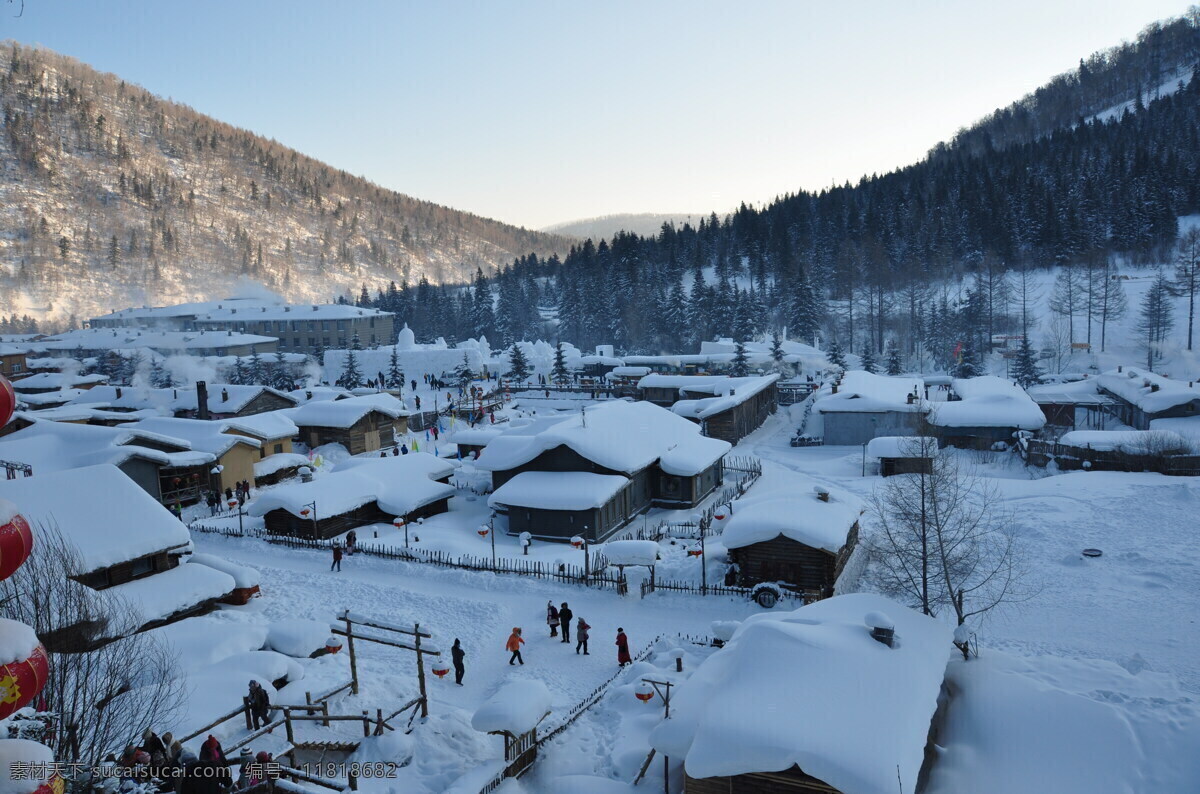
[(1071, 458), (650, 586)]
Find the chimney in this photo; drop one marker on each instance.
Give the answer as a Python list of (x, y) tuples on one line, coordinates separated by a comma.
[(201, 400), (118, 392), (287, 308), (1153, 387), (882, 628), (834, 389), (224, 395), (308, 395), (1118, 368)]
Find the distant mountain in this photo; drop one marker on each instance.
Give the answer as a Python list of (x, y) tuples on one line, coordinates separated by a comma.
[(111, 196), (604, 227)]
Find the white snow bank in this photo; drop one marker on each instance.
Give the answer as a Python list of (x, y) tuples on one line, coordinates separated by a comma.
[(799, 516), (558, 490), (631, 552), (273, 464), (345, 413), (988, 401), (267, 425), (17, 641), (517, 707), (297, 637), (211, 693), (1131, 442), (242, 575), (8, 511), (199, 642), (901, 447), (729, 395), (393, 746), (1148, 391), (23, 751), (860, 390), (812, 688), (101, 537), (268, 665), (164, 594)]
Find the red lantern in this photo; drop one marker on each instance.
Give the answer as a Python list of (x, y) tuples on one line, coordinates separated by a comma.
[(440, 669), (483, 532), (304, 511), (21, 681), (8, 400), (233, 503), (16, 543), (695, 552), (644, 692), (54, 785)]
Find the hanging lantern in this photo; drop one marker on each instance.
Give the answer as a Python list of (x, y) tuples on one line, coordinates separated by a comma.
[(304, 511), (483, 530), (695, 551), (22, 680), (233, 503), (333, 645), (440, 668), (8, 400), (54, 785), (16, 541), (721, 512), (576, 541), (644, 692), (176, 481)]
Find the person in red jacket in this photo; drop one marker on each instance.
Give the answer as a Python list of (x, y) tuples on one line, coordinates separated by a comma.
[(337, 557), (514, 644), (623, 657)]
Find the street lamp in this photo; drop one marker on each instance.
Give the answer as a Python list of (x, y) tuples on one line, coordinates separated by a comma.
[(399, 523), (311, 507), (489, 529), (232, 504), (645, 692), (580, 541)]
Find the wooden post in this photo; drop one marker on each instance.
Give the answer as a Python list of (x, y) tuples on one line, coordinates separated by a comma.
[(287, 724), (420, 670), (325, 711), (353, 660), (366, 723), (246, 704)]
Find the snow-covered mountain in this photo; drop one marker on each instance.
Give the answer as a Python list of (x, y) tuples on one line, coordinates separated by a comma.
[(646, 224), (111, 196)]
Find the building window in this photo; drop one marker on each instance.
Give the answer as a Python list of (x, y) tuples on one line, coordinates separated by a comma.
[(279, 449), (324, 325), (282, 342), (341, 324), (141, 567), (372, 324), (16, 367), (325, 341), (312, 341)]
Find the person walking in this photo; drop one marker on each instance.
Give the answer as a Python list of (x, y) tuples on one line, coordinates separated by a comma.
[(337, 558), (351, 542), (458, 654), (564, 621), (260, 704), (211, 750), (623, 657), (581, 634), (552, 618), (514, 644)]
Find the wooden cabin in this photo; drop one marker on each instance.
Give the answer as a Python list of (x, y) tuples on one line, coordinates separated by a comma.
[(360, 424), (746, 415), (893, 455)]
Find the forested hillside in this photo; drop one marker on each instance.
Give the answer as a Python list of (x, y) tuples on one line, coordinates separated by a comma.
[(110, 196)]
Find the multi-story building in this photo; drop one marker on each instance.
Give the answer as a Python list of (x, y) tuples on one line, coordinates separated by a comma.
[(304, 329)]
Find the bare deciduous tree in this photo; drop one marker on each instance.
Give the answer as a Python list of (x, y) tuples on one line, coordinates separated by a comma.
[(944, 542), (104, 697)]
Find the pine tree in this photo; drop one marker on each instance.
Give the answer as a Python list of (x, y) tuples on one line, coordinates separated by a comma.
[(160, 377), (1156, 319), (777, 351), (395, 375), (318, 353), (518, 365), (741, 362), (834, 354), (1026, 370), (238, 375), (463, 374), (114, 253), (351, 377), (281, 377), (804, 310), (355, 343), (1187, 274), (868, 359), (894, 365), (967, 365), (255, 371), (559, 373)]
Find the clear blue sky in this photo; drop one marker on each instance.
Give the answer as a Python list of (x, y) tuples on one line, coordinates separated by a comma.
[(540, 112)]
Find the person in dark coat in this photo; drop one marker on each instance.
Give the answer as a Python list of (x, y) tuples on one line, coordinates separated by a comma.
[(564, 621), (211, 750), (154, 746), (395, 452), (581, 634), (458, 654), (404, 449), (228, 494), (260, 704), (623, 657), (337, 558), (552, 618), (351, 541)]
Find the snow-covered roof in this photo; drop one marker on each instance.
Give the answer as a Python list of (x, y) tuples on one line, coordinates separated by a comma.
[(103, 514), (476, 436), (142, 339), (55, 446), (1132, 442), (224, 398), (693, 383), (275, 463), (398, 484), (812, 688), (620, 436), (517, 707), (320, 311), (56, 381), (558, 490), (1148, 391), (59, 397), (37, 766), (988, 401), (182, 309), (318, 394), (345, 413), (267, 425), (631, 552), (901, 447), (201, 435), (733, 392), (607, 361), (862, 391), (242, 575), (798, 515), (164, 594)]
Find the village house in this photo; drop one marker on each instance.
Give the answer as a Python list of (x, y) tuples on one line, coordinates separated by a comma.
[(891, 455), (134, 557), (985, 411), (232, 456), (725, 408), (861, 678), (303, 329), (358, 492), (1142, 397), (360, 424), (622, 458), (13, 364), (800, 540), (862, 406), (274, 430), (46, 382), (98, 342), (227, 400)]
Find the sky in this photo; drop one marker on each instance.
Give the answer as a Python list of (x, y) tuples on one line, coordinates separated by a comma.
[(537, 113)]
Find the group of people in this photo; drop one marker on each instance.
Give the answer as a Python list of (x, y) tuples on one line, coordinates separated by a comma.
[(559, 620), (163, 761), (240, 492)]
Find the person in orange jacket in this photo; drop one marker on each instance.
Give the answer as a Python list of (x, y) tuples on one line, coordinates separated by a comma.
[(514, 644)]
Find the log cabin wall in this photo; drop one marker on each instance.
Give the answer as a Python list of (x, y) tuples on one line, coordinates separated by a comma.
[(785, 560), (790, 781), (744, 418)]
